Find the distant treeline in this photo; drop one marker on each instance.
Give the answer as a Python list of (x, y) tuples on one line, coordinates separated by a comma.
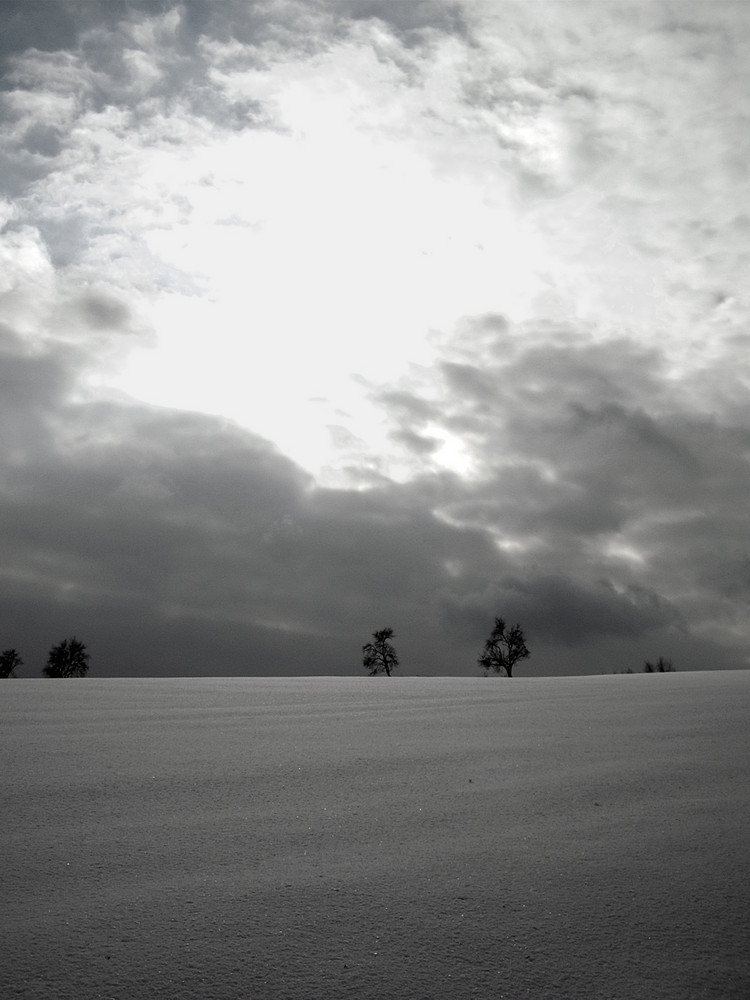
[(502, 650), (661, 666)]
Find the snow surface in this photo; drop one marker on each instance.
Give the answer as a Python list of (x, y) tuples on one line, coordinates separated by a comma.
[(376, 838)]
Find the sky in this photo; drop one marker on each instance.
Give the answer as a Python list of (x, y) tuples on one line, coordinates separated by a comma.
[(323, 317)]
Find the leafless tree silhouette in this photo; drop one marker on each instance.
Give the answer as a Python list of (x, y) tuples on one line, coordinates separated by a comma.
[(9, 660), (379, 655), (503, 649), (68, 659)]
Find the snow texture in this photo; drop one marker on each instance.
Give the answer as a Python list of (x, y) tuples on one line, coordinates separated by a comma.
[(422, 838)]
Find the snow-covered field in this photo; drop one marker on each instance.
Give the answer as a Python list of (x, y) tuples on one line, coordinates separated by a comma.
[(359, 838)]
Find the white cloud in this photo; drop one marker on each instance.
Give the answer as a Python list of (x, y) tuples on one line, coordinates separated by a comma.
[(322, 248)]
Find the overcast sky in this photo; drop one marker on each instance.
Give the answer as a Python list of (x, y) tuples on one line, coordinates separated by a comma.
[(320, 317)]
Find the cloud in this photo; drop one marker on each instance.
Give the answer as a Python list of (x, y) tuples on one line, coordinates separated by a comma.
[(140, 528), (413, 22), (233, 207), (557, 609), (611, 494), (137, 527)]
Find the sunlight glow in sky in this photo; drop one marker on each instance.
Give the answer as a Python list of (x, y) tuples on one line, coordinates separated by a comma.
[(311, 256)]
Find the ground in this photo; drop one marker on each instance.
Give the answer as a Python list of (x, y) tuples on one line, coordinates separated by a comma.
[(290, 839)]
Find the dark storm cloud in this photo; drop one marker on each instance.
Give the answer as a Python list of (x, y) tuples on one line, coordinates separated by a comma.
[(176, 543), (557, 609), (117, 514), (619, 506), (179, 543)]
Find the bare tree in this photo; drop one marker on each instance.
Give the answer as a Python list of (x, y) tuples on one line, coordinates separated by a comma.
[(503, 649), (9, 660), (379, 655), (68, 659)]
